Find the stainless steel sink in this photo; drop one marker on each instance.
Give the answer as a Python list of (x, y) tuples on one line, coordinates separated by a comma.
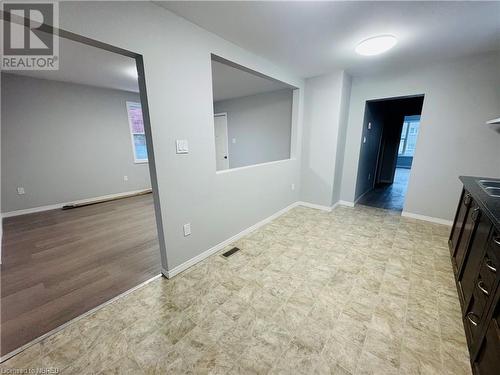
[(492, 188), (489, 183)]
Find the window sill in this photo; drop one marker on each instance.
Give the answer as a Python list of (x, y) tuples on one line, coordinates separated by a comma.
[(224, 171)]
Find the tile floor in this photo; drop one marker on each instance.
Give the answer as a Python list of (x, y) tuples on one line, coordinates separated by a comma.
[(355, 291), (391, 197)]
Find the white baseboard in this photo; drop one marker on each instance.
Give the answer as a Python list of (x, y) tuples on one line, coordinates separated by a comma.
[(315, 206), (345, 203), (81, 201), (431, 219), (191, 262)]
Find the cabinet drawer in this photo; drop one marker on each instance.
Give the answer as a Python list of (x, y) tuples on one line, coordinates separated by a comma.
[(474, 314), (494, 243), (488, 271)]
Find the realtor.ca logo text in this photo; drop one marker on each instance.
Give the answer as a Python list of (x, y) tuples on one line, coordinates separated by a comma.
[(28, 41)]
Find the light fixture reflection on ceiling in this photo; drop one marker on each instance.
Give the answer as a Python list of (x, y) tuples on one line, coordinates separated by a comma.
[(132, 72), (376, 45)]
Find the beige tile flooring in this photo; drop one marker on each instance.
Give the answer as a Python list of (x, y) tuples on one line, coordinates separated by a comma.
[(354, 291)]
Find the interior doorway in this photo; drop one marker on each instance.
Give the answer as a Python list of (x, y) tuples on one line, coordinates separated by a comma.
[(81, 214), (389, 140), (221, 141)]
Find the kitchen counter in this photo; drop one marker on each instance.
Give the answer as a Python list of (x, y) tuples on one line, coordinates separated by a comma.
[(488, 204)]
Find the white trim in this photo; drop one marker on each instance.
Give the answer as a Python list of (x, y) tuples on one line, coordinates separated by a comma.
[(81, 201), (254, 165), (315, 206), (345, 203), (61, 327), (191, 262), (427, 218)]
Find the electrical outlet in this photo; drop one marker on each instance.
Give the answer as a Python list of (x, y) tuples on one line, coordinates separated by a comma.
[(369, 126), (187, 229), (125, 178), (20, 190), (293, 187)]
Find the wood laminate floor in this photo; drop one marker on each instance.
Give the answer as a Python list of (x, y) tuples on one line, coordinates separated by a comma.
[(59, 264)]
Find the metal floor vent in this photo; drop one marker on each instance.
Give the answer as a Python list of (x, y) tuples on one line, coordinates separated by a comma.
[(230, 252)]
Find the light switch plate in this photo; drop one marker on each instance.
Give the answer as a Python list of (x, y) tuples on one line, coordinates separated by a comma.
[(182, 146), (369, 126), (187, 229)]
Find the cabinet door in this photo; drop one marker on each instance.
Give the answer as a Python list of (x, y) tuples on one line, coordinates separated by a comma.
[(474, 257), (462, 210), (468, 230), (487, 361)]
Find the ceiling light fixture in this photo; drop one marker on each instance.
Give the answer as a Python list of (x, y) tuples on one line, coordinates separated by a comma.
[(376, 45)]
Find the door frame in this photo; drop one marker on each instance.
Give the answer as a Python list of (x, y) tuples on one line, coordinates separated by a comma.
[(223, 114)]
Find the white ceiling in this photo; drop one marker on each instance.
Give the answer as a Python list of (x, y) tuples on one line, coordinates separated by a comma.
[(309, 38), (230, 82), (312, 38), (83, 64)]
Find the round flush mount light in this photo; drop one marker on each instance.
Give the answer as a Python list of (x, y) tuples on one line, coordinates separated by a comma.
[(376, 45)]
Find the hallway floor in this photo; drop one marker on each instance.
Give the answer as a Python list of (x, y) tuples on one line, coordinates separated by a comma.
[(354, 291), (389, 197)]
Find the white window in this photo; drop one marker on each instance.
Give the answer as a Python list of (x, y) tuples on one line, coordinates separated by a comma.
[(136, 124)]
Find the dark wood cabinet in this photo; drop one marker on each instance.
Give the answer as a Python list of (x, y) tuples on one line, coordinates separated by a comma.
[(487, 359), (475, 254), (468, 229), (462, 211)]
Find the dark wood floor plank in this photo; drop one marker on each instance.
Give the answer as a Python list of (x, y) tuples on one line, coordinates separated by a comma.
[(59, 264)]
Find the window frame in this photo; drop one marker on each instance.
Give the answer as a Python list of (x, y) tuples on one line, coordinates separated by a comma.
[(130, 104)]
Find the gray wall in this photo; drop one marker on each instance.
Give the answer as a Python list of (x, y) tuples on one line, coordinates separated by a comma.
[(453, 140), (177, 70), (325, 108), (65, 142), (345, 97), (261, 126)]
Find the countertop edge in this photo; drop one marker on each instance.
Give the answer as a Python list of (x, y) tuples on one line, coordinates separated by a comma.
[(489, 205)]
